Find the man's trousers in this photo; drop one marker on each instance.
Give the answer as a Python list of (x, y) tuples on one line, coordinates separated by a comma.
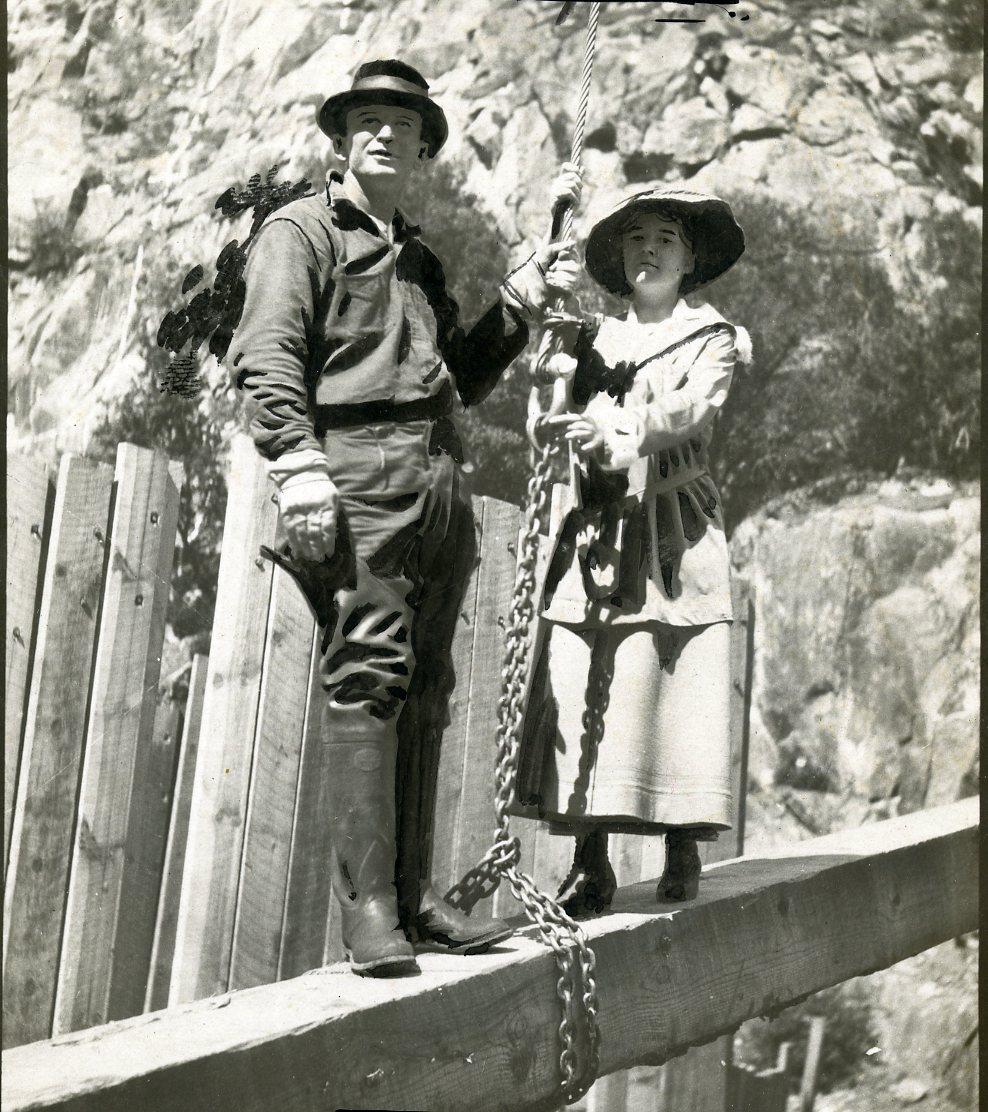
[(387, 603)]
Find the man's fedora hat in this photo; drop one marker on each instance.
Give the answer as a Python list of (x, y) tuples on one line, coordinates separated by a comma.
[(387, 82), (714, 235)]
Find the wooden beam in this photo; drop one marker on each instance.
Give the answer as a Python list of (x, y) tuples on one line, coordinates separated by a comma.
[(113, 886), (54, 732), (479, 1033)]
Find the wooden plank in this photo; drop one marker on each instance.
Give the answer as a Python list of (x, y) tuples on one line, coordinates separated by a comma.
[(308, 895), (479, 1032), (55, 729), (151, 810), (201, 964), (742, 673), (273, 786), (452, 754), (814, 1048), (475, 818), (30, 498), (120, 832), (166, 921)]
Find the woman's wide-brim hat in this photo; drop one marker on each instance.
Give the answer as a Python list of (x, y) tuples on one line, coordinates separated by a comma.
[(387, 82), (715, 236)]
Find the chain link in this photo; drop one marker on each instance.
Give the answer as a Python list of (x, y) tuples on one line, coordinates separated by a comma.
[(576, 986)]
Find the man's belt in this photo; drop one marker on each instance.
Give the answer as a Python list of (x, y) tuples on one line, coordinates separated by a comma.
[(431, 408)]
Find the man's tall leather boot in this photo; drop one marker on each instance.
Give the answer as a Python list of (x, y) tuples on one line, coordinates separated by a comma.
[(360, 757)]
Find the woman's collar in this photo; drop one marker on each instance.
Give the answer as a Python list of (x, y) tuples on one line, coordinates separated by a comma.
[(682, 314)]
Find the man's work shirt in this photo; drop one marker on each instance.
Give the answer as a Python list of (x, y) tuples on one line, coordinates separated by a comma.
[(337, 314)]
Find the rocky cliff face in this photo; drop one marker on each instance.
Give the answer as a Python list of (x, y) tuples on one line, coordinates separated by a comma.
[(128, 119), (866, 678), (865, 705)]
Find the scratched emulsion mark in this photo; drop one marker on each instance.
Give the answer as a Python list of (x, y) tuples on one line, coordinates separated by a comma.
[(724, 5), (213, 313)]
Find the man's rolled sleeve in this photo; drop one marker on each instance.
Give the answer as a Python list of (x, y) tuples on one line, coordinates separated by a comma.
[(476, 358), (270, 350)]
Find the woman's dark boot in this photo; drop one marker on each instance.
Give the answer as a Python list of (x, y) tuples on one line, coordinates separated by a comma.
[(596, 885), (360, 757), (680, 878)]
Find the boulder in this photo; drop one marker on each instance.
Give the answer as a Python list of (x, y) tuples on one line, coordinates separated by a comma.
[(690, 134), (866, 667)]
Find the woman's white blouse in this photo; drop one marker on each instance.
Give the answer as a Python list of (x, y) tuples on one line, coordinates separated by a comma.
[(658, 435), (674, 397)]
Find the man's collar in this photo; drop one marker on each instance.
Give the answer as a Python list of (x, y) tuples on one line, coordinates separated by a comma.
[(351, 217)]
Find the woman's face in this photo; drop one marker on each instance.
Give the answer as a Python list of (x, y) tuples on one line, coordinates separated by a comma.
[(655, 253)]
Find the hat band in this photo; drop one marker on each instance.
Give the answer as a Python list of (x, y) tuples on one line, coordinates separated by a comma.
[(385, 82)]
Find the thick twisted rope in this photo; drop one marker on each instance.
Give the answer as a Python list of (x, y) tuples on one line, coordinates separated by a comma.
[(576, 986)]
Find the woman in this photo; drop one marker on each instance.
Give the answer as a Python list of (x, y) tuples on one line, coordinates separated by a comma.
[(628, 721)]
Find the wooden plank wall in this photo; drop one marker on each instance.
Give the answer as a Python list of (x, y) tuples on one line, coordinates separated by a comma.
[(249, 791), (120, 831), (54, 732), (30, 499)]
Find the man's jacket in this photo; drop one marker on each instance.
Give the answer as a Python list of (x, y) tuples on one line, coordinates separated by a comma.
[(335, 315)]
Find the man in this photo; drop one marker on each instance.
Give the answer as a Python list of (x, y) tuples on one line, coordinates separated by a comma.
[(348, 353)]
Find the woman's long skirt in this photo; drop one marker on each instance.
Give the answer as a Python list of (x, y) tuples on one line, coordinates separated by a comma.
[(628, 728)]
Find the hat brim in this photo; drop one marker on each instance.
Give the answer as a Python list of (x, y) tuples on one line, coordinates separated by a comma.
[(717, 240), (435, 130)]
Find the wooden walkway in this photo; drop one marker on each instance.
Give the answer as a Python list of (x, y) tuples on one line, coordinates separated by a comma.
[(478, 1033)]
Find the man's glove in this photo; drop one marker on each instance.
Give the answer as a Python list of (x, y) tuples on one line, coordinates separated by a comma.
[(309, 502)]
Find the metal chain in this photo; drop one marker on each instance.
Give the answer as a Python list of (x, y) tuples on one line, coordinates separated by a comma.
[(576, 985)]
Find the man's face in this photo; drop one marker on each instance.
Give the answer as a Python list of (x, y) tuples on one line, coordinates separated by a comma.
[(383, 141), (655, 252)]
